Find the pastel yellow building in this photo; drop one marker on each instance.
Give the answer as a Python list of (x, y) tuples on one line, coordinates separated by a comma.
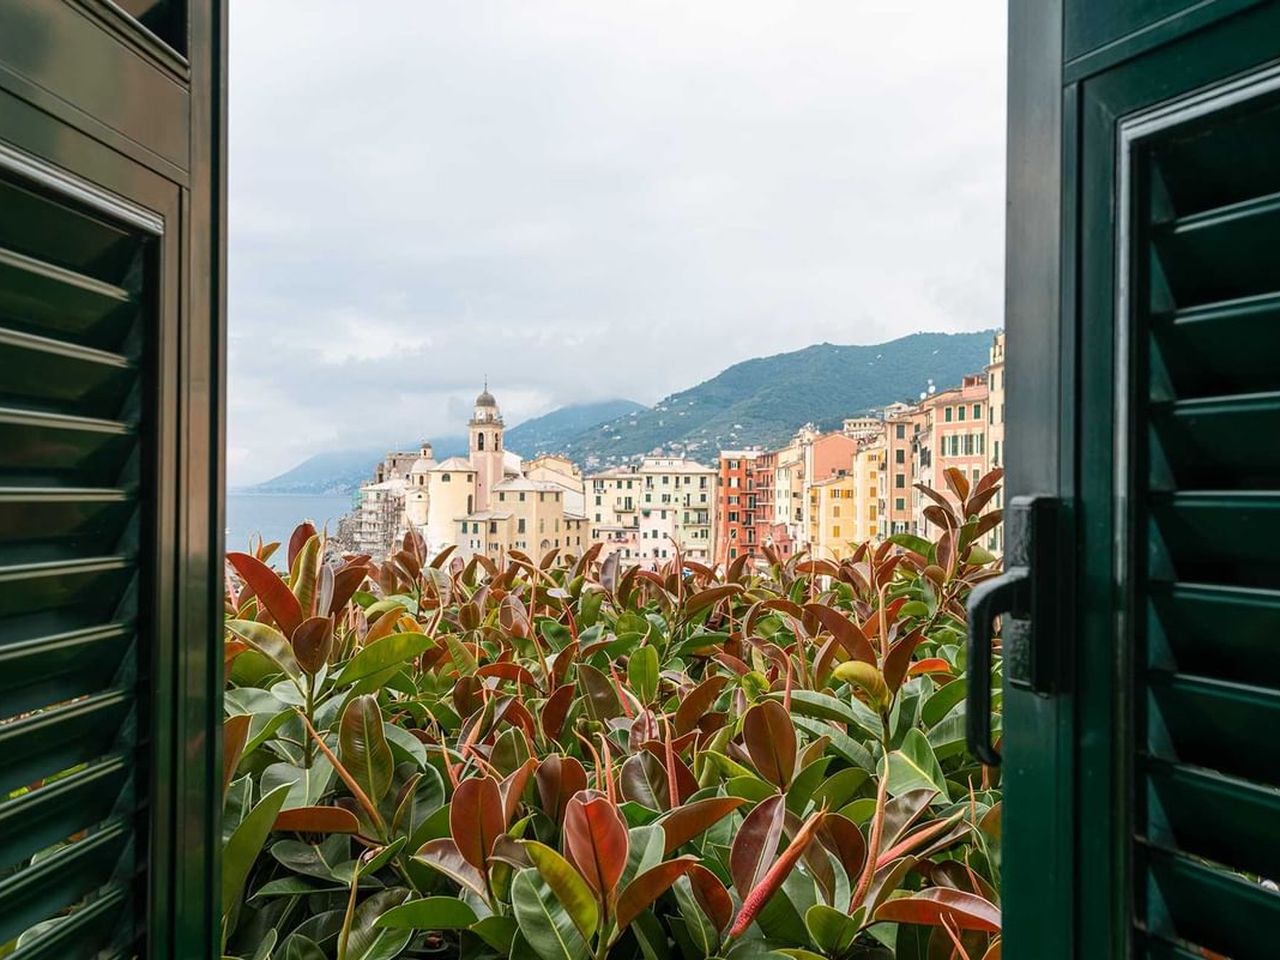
[(832, 518)]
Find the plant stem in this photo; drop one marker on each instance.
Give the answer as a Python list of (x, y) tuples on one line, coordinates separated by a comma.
[(345, 935)]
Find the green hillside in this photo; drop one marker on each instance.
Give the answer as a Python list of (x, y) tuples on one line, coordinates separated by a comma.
[(763, 401)]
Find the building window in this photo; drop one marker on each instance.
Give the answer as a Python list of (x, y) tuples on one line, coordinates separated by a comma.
[(502, 497), (900, 455), (445, 478), (520, 525), (977, 411), (900, 481), (479, 441), (899, 504), (946, 415), (835, 531), (960, 412), (901, 431)]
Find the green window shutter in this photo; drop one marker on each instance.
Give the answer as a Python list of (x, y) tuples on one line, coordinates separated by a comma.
[(1205, 468), (77, 382)]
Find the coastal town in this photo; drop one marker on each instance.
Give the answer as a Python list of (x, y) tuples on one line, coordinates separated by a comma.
[(822, 493)]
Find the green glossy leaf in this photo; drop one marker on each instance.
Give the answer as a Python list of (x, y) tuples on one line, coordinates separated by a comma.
[(544, 923), (307, 785), (269, 642), (822, 706), (241, 851), (642, 672), (943, 700), (913, 766), (429, 913), (389, 651), (497, 932), (568, 886), (833, 931), (841, 742), (363, 749)]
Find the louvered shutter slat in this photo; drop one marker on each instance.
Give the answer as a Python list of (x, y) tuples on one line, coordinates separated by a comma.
[(1228, 914), (32, 821), (79, 935), (1241, 620), (61, 667), (53, 740), (64, 877), (1206, 327), (1178, 799), (75, 382)]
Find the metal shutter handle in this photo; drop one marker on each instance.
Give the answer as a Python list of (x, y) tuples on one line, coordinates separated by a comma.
[(988, 600)]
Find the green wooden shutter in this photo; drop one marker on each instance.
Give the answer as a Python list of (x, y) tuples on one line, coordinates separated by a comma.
[(77, 311), (1204, 183)]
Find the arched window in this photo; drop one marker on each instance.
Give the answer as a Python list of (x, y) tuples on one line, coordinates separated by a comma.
[(480, 441), (497, 441)]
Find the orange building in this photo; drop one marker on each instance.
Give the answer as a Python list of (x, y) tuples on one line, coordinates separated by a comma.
[(736, 506)]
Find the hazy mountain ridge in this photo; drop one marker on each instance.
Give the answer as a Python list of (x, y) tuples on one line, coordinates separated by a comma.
[(759, 401), (340, 471)]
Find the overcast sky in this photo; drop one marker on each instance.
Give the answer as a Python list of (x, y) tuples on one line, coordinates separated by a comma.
[(590, 199)]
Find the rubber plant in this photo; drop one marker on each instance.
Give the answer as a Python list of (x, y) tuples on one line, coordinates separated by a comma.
[(571, 759)]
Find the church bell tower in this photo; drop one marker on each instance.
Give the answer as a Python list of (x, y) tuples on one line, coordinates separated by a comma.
[(485, 448)]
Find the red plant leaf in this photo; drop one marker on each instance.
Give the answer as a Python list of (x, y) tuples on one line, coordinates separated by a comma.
[(345, 583), (443, 855), (956, 482), (684, 823), (756, 844), (649, 886), (476, 819), (964, 911), (556, 709), (770, 737), (298, 539), (711, 895), (270, 589), (698, 702), (596, 841), (842, 837), (558, 779), (686, 782), (846, 632), (899, 659), (929, 665), (235, 733), (317, 820), (712, 595), (754, 901), (312, 642), (508, 671), (512, 789)]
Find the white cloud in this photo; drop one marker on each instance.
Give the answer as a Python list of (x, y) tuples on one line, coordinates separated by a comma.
[(586, 199)]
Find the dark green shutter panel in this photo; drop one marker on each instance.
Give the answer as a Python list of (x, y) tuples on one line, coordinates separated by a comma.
[(1205, 463), (76, 318)]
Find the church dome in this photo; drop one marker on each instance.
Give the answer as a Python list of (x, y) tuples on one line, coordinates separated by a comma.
[(486, 399)]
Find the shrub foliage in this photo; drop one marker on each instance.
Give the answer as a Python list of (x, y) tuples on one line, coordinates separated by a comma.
[(563, 759)]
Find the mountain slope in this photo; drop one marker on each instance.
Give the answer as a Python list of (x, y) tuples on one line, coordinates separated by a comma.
[(339, 471), (550, 432), (760, 401), (764, 400)]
